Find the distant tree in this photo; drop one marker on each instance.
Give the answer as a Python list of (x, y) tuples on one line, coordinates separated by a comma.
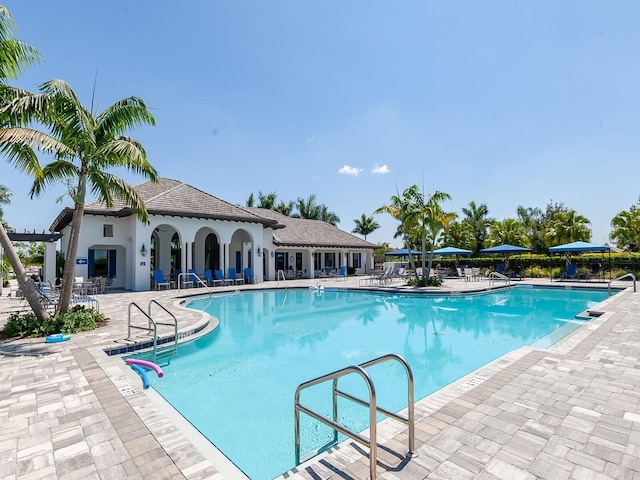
[(478, 217), (284, 208), (251, 201), (508, 231), (535, 224), (460, 235), (626, 229), (365, 225), (567, 227), (309, 209)]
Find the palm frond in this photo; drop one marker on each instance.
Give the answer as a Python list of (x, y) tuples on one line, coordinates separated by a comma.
[(122, 116), (53, 172), (105, 186)]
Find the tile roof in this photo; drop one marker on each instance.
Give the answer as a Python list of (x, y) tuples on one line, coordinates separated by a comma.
[(173, 198), (309, 233)]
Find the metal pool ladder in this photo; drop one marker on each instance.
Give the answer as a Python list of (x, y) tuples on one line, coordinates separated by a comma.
[(152, 327), (371, 442)]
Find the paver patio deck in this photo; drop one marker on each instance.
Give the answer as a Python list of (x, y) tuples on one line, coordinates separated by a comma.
[(69, 411)]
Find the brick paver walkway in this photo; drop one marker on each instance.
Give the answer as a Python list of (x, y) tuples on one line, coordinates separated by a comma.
[(570, 412)]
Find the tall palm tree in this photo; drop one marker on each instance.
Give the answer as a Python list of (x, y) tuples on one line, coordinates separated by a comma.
[(478, 217), (430, 220), (284, 208), (15, 57), (85, 144), (401, 208), (365, 225)]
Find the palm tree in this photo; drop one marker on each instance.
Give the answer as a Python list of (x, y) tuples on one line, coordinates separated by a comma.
[(85, 145), (15, 57), (284, 208), (400, 208), (310, 210), (430, 220), (478, 217), (365, 225), (508, 231), (460, 235), (626, 229), (567, 227)]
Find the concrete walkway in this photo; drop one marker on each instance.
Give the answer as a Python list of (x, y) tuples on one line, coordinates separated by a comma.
[(69, 411)]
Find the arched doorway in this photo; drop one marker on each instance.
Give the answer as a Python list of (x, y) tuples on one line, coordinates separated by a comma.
[(211, 252)]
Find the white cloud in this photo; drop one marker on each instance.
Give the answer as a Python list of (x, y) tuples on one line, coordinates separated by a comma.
[(380, 169), (312, 138), (347, 170)]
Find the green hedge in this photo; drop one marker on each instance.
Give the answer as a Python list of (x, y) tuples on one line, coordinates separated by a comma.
[(538, 265)]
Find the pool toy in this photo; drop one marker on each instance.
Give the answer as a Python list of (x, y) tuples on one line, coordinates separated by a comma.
[(140, 371), (145, 363), (57, 337)]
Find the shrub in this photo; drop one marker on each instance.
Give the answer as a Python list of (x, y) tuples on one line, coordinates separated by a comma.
[(77, 319), (433, 281)]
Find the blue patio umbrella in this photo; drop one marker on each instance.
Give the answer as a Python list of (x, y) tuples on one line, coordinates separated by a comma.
[(451, 251), (579, 247), (507, 250), (403, 252)]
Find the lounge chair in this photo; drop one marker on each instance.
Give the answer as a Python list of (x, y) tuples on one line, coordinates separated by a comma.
[(571, 272), (500, 269), (596, 272), (220, 277), (193, 277), (460, 273), (342, 273), (234, 277), (210, 279), (14, 289), (248, 278), (159, 281)]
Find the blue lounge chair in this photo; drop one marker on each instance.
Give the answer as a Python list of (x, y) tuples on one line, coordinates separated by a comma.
[(210, 279), (159, 281), (220, 278), (342, 273), (247, 275), (234, 277), (193, 277), (571, 272)]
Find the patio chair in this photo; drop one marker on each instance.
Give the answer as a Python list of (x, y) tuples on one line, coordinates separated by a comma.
[(159, 281), (596, 272), (500, 269), (460, 273), (234, 277), (220, 277), (342, 273), (193, 277), (571, 272), (210, 279), (14, 289), (248, 278)]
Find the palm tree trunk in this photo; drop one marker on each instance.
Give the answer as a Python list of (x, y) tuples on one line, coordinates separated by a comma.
[(22, 277), (70, 259), (411, 261)]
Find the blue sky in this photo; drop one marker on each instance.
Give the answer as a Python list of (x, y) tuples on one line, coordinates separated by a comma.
[(505, 103)]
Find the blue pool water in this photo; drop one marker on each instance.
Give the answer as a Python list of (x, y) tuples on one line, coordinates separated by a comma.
[(236, 385)]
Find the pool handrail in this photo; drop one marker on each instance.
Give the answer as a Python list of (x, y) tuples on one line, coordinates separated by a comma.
[(495, 275), (371, 442), (620, 278)]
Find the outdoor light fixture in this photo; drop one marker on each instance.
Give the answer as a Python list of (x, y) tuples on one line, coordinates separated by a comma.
[(143, 251), (271, 253), (259, 251)]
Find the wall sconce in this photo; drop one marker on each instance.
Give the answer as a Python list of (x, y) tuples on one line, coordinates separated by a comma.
[(271, 253), (259, 252), (143, 251)]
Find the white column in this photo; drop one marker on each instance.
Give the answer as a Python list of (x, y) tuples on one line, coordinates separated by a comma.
[(49, 270)]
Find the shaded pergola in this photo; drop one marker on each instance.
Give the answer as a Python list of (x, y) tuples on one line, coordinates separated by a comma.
[(506, 250)]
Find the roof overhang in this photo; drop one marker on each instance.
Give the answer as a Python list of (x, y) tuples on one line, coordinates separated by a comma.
[(34, 237)]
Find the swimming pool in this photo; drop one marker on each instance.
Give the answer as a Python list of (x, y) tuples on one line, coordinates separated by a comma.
[(236, 384)]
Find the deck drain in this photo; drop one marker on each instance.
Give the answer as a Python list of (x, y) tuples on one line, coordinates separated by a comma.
[(473, 382), (126, 390)]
